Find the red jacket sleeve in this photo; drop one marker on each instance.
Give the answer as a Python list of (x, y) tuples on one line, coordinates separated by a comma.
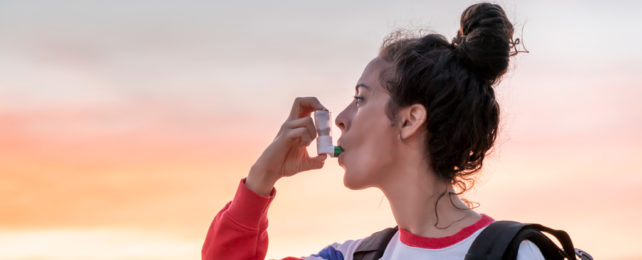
[(239, 230)]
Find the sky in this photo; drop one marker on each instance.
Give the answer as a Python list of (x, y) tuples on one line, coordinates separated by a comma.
[(125, 126)]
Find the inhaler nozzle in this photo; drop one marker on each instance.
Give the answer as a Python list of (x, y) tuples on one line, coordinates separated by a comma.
[(324, 141)]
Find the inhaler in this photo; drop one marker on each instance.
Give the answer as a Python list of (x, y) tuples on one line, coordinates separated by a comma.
[(324, 141)]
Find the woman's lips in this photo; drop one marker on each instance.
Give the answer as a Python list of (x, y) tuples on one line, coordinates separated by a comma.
[(340, 158)]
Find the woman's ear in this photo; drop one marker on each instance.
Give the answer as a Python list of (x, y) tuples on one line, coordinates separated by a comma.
[(411, 120)]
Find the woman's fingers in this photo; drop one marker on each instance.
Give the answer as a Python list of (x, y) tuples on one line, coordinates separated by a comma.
[(301, 134), (303, 122), (300, 118), (303, 106), (287, 155)]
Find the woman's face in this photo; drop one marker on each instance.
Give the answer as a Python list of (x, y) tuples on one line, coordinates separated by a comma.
[(367, 134)]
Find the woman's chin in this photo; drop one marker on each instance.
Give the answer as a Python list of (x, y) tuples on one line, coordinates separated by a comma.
[(353, 183)]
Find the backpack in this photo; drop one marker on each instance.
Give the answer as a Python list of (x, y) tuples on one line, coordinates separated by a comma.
[(500, 240)]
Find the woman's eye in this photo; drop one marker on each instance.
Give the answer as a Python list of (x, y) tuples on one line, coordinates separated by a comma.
[(358, 99)]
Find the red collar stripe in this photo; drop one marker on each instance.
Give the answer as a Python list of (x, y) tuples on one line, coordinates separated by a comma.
[(413, 240)]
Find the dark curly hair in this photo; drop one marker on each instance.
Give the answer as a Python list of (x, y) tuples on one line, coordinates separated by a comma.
[(454, 82)]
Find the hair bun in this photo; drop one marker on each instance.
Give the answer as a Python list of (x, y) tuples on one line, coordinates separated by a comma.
[(484, 40)]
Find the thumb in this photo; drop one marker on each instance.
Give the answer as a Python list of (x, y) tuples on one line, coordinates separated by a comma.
[(315, 162)]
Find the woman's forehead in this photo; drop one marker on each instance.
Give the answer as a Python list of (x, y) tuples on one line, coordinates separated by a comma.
[(377, 64), (372, 73)]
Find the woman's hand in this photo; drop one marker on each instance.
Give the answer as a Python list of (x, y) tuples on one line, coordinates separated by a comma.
[(287, 154)]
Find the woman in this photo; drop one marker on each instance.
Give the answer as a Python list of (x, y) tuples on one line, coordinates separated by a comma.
[(423, 117)]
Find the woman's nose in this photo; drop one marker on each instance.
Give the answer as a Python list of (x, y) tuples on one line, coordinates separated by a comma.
[(342, 120)]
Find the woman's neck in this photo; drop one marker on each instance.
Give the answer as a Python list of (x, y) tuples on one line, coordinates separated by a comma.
[(425, 205)]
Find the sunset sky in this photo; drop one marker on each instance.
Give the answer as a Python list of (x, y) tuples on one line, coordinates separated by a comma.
[(125, 126)]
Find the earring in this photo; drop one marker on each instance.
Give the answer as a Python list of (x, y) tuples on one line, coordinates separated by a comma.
[(399, 137)]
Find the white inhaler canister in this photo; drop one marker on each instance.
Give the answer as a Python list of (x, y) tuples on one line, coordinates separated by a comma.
[(324, 141)]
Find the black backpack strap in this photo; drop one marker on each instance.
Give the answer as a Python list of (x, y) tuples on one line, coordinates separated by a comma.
[(533, 233), (372, 247), (501, 240), (494, 240)]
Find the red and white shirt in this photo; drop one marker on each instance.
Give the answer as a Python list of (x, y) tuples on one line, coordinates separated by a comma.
[(239, 231)]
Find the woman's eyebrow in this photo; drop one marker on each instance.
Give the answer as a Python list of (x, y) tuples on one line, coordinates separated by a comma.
[(361, 85)]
